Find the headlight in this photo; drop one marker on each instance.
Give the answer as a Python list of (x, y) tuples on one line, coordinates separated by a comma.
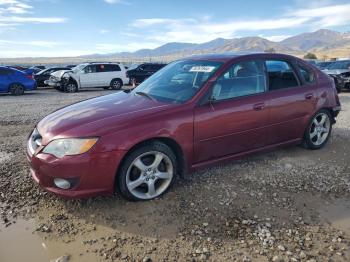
[(69, 146), (66, 76)]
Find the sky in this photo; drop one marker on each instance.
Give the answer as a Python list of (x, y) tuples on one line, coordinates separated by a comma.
[(52, 28)]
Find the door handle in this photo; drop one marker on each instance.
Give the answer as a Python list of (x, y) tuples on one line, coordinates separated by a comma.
[(309, 96), (259, 106)]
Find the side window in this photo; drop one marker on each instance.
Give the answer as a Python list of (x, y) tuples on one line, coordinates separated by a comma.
[(307, 74), (3, 72), (101, 68), (147, 68), (90, 69), (281, 75), (112, 68), (242, 79)]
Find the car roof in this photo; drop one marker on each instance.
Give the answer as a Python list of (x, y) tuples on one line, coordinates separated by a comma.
[(225, 57)]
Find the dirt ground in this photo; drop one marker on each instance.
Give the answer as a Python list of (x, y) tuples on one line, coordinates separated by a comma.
[(290, 204)]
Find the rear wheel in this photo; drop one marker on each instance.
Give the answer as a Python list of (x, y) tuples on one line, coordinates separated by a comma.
[(16, 89), (147, 172), (319, 130), (116, 84)]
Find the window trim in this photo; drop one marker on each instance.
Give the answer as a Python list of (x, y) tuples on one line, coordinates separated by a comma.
[(304, 82), (295, 72)]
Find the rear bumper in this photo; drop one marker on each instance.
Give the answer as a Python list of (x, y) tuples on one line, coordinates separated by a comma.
[(336, 110)]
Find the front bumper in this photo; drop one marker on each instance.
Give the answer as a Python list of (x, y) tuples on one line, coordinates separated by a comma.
[(341, 81), (52, 83), (92, 174)]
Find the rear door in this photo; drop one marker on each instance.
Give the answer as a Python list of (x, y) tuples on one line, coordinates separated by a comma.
[(4, 79), (236, 120), (112, 71), (292, 100)]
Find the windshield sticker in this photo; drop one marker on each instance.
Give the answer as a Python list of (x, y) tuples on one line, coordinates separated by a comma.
[(202, 69)]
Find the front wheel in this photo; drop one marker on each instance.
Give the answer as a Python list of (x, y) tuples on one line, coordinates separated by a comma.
[(71, 87), (147, 172), (319, 130)]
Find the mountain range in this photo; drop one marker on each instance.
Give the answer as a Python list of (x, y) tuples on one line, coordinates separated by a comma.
[(324, 43)]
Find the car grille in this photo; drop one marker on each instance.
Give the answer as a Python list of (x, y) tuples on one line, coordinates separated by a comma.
[(54, 79), (34, 141)]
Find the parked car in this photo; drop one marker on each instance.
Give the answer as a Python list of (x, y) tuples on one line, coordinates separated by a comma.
[(15, 81), (106, 75), (45, 74), (141, 72), (340, 72), (138, 142), (55, 79), (323, 65), (32, 70)]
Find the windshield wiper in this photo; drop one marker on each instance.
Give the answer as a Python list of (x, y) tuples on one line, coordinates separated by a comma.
[(145, 95)]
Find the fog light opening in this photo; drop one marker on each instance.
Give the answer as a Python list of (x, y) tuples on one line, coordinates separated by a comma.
[(62, 183)]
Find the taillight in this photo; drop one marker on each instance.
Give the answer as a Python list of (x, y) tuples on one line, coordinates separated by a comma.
[(30, 77)]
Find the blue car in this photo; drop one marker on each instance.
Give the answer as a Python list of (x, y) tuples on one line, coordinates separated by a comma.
[(15, 82)]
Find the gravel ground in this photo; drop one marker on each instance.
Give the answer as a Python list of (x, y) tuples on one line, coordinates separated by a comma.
[(290, 204)]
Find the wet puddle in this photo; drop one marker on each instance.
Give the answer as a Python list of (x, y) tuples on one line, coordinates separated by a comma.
[(19, 243), (337, 213)]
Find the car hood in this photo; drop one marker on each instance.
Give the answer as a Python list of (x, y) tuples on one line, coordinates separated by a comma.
[(335, 71), (97, 116), (59, 73)]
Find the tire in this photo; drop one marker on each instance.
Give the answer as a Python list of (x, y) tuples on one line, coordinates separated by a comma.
[(116, 84), (16, 89), (153, 163), (319, 130), (71, 87)]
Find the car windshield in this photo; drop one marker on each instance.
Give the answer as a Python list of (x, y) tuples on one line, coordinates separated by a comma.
[(78, 68), (340, 65), (179, 81), (42, 71)]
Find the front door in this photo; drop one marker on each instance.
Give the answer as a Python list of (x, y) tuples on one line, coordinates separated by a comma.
[(235, 120), (89, 77)]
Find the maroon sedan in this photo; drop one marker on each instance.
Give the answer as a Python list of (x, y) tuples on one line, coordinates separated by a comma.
[(193, 113)]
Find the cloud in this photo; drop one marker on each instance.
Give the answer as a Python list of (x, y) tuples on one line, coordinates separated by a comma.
[(198, 30), (325, 16), (116, 2), (108, 47), (17, 12), (104, 31), (46, 44), (276, 38)]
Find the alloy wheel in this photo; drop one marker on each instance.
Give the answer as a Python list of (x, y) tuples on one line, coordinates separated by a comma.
[(116, 85), (149, 175), (71, 88), (320, 129)]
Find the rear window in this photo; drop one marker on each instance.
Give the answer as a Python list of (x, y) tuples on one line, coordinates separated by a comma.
[(280, 75), (112, 68), (5, 71), (307, 74)]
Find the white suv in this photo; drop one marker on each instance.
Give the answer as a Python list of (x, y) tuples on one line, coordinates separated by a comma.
[(106, 75)]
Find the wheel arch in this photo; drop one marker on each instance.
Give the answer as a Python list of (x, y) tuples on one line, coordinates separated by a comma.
[(116, 78), (174, 146)]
